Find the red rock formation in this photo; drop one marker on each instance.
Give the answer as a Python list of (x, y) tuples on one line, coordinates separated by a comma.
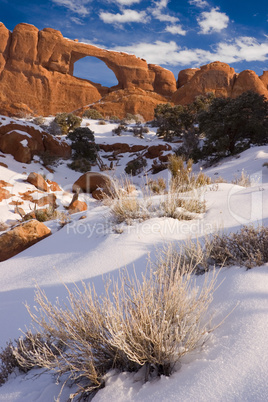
[(38, 181), (185, 76), (36, 76), (36, 69), (21, 237), (134, 101), (90, 182), (4, 193), (23, 141), (121, 148), (220, 79), (248, 80), (49, 199), (53, 186), (77, 206), (156, 150)]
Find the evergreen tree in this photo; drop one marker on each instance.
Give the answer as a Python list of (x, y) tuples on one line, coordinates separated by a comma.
[(231, 125)]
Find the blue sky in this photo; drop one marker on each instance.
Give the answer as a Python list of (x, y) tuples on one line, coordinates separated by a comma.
[(175, 34)]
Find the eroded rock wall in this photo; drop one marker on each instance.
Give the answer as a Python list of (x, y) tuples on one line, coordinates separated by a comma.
[(36, 76), (36, 70), (219, 78)]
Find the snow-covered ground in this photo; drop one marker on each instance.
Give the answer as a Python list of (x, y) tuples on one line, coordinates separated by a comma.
[(233, 364)]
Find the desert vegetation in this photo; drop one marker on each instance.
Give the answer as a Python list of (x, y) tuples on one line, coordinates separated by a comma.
[(247, 247), (182, 200), (149, 322), (85, 150), (93, 114), (226, 126), (67, 122)]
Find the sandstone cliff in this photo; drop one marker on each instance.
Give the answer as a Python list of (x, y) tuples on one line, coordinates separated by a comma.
[(36, 71), (36, 76), (220, 79)]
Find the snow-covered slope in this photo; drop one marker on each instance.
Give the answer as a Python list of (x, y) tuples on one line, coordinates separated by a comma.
[(233, 365)]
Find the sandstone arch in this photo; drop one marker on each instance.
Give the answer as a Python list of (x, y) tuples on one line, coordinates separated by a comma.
[(36, 72), (36, 75)]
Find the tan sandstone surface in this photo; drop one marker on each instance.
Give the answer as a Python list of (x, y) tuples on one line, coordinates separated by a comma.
[(36, 77)]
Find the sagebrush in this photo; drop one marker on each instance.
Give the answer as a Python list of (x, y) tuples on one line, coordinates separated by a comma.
[(151, 322)]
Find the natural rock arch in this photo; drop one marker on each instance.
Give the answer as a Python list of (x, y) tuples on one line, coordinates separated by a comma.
[(36, 75)]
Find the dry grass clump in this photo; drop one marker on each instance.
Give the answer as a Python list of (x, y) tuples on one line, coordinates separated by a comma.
[(124, 203), (183, 179), (242, 180), (47, 214), (248, 247), (157, 186), (182, 208), (8, 361), (127, 207), (151, 322)]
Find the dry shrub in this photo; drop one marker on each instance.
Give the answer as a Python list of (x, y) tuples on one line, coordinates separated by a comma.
[(183, 179), (157, 186), (248, 247), (47, 214), (242, 180), (151, 322), (127, 207), (9, 363), (176, 207)]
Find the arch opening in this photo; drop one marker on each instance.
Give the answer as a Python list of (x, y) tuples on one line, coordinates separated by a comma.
[(95, 70)]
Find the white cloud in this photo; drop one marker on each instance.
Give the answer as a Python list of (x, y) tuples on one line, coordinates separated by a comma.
[(158, 14), (199, 3), (169, 53), (126, 16), (77, 6), (176, 30), (243, 48), (165, 53), (127, 2), (212, 21), (77, 21)]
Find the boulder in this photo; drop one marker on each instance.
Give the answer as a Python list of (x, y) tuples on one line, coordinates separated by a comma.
[(156, 150), (120, 147), (18, 145), (23, 141), (77, 206), (53, 186), (56, 147), (21, 237), (49, 199), (91, 181), (38, 181), (4, 194)]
